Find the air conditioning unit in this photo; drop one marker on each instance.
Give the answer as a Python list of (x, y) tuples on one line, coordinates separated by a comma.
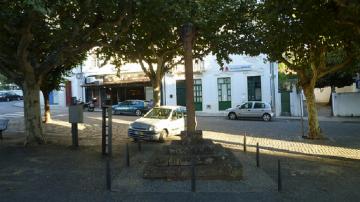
[(90, 80), (93, 80)]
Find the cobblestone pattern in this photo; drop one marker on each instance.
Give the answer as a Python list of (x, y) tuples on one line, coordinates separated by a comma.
[(288, 146)]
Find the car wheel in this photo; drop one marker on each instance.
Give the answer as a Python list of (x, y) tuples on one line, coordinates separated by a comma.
[(138, 112), (266, 117), (7, 99), (18, 99), (163, 135), (232, 116)]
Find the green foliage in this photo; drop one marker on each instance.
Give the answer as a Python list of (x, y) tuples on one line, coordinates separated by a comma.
[(39, 36), (155, 31), (3, 82)]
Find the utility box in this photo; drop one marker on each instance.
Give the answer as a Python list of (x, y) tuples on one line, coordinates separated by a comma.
[(76, 114)]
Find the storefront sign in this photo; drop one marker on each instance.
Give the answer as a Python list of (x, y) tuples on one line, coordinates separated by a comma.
[(238, 68)]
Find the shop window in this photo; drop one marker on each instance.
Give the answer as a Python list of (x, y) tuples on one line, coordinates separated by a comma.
[(254, 88)]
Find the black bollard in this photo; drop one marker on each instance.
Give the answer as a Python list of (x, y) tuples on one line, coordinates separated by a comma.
[(257, 155), (75, 136), (193, 176), (279, 177), (245, 142), (139, 145), (108, 175), (127, 155)]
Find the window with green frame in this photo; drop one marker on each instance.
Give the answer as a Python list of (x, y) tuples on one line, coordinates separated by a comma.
[(224, 93), (198, 94)]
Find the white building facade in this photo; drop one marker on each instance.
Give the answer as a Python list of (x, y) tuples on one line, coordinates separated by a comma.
[(215, 89)]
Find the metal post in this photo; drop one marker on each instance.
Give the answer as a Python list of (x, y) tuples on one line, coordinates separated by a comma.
[(302, 115), (279, 177), (139, 145), (127, 155), (108, 175), (74, 132), (245, 142), (103, 140), (193, 176), (109, 128), (257, 155)]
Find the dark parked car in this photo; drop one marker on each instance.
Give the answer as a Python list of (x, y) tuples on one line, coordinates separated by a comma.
[(134, 107), (9, 96)]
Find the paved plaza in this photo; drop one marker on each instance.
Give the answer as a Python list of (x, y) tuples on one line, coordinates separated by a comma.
[(321, 170)]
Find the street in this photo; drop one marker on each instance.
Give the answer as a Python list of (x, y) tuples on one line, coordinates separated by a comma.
[(341, 133), (9, 110), (325, 164)]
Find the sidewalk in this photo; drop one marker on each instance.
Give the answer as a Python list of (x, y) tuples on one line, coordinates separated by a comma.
[(21, 105), (323, 118)]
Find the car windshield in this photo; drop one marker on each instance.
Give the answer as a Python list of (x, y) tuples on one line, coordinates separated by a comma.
[(158, 113)]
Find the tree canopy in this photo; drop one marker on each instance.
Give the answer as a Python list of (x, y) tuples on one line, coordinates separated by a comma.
[(39, 36), (307, 37), (154, 39)]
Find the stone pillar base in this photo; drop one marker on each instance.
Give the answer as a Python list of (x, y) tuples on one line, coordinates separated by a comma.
[(212, 161)]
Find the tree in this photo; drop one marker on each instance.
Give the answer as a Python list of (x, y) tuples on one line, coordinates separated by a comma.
[(53, 82), (304, 35), (38, 36), (154, 36), (153, 42), (55, 78)]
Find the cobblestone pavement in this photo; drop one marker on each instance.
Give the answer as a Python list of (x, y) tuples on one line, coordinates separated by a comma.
[(309, 174)]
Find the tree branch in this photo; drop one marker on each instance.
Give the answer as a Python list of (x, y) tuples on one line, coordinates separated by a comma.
[(336, 67), (25, 40), (143, 67)]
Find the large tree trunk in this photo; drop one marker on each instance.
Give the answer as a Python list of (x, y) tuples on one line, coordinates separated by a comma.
[(156, 84), (32, 112), (47, 115), (314, 128)]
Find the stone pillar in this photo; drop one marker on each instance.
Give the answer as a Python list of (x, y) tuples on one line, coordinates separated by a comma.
[(188, 37)]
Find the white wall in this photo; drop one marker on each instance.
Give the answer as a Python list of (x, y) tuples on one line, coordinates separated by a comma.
[(295, 108), (322, 95), (346, 104), (239, 90), (149, 94)]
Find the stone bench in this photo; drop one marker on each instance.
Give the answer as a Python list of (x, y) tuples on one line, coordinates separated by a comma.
[(3, 126)]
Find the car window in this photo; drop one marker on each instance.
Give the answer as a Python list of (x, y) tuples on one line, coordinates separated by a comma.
[(247, 105), (259, 105), (158, 113), (177, 114), (125, 103)]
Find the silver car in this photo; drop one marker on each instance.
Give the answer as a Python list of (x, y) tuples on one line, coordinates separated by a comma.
[(251, 109), (159, 123)]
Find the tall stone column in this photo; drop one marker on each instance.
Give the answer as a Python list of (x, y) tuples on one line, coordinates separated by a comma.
[(188, 37)]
